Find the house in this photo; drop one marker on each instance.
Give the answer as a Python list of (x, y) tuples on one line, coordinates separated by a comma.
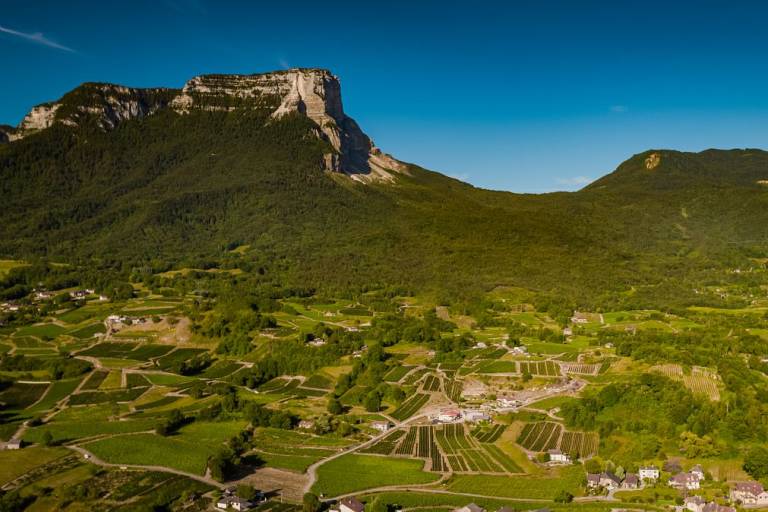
[(472, 507), (230, 500), (579, 318), (520, 350), (567, 331), (381, 426), (698, 471), (687, 481), (607, 480), (351, 505), (648, 473), (699, 504), (306, 424), (558, 456), (317, 342), (749, 493), (475, 416), (631, 481), (12, 444), (480, 344), (449, 415)]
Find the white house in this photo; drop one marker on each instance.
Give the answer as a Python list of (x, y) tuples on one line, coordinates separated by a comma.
[(559, 457), (232, 501), (687, 481), (381, 426), (648, 473)]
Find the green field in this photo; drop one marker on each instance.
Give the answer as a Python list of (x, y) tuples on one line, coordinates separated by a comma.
[(188, 451), (351, 473), (14, 463), (519, 487)]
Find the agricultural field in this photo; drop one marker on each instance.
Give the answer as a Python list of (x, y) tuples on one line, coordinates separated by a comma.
[(188, 451), (701, 381), (410, 407), (351, 473), (546, 435), (540, 368)]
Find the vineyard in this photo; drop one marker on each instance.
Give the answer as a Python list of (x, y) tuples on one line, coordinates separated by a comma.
[(581, 368), (431, 383), (386, 445), (579, 444), (489, 436), (541, 436), (453, 389), (547, 435), (701, 381), (541, 368), (410, 407), (447, 448)]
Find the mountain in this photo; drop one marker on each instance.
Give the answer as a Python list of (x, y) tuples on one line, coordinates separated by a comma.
[(272, 164)]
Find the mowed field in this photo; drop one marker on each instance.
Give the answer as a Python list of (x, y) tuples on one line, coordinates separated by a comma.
[(351, 473)]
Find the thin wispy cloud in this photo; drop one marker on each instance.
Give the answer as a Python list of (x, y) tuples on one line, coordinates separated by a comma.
[(283, 63), (576, 181), (619, 109), (37, 38)]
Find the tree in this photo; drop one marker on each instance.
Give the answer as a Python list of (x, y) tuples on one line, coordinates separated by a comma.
[(563, 497), (246, 492), (593, 466), (372, 402), (48, 438), (756, 462), (335, 407), (310, 503)]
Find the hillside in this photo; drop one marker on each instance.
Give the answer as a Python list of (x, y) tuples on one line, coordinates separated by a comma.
[(273, 163)]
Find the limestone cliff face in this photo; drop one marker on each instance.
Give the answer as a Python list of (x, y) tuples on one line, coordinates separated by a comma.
[(315, 93)]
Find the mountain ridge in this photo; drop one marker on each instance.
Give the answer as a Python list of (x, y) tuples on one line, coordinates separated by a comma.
[(173, 188)]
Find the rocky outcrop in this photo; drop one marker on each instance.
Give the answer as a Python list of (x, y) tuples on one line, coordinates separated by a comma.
[(315, 93)]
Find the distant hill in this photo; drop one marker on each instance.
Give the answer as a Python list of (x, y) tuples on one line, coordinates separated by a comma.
[(273, 163)]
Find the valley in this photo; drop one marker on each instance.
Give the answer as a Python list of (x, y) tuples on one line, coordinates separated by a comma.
[(376, 395)]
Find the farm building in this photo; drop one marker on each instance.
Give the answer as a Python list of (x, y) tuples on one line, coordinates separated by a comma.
[(351, 505), (749, 493), (12, 444), (449, 415), (475, 416), (231, 501)]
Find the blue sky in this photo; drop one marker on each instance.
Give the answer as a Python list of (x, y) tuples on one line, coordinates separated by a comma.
[(531, 96)]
